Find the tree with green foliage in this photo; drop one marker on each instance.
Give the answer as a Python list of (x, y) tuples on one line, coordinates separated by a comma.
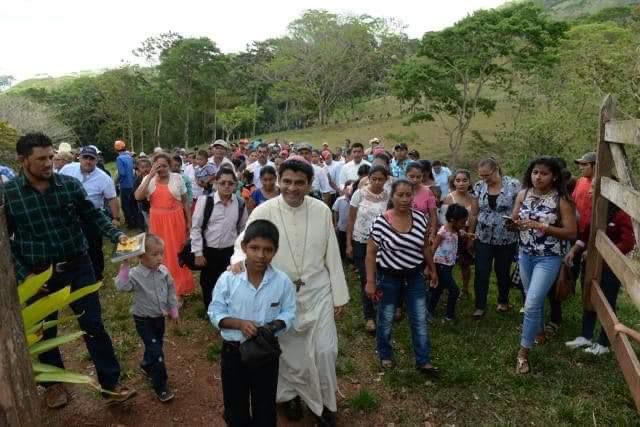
[(190, 67), (454, 68)]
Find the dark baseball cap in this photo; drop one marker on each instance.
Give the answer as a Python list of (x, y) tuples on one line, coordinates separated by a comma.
[(401, 146), (89, 151), (589, 157)]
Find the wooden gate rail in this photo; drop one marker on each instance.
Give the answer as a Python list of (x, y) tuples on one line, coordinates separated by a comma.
[(623, 192)]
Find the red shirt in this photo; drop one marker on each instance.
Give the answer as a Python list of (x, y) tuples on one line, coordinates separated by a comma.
[(582, 196)]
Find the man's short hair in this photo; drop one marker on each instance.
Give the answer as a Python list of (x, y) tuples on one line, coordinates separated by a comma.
[(176, 158), (226, 170), (436, 163), (26, 143), (262, 228), (297, 166), (262, 145), (357, 145)]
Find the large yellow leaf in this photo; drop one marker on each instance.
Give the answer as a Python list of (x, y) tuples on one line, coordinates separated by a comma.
[(40, 309), (85, 290), (42, 326), (32, 284), (46, 345), (67, 377)]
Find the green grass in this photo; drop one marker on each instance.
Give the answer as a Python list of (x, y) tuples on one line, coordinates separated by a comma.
[(364, 401), (478, 385)]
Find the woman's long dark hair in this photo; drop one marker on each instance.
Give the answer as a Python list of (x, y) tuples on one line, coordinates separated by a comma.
[(559, 183), (394, 187), (426, 169)]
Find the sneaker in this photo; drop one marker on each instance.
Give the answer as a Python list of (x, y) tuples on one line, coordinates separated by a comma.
[(597, 349), (522, 310), (579, 342), (165, 395), (446, 320)]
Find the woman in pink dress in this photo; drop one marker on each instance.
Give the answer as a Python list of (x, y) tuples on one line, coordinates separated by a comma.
[(169, 217)]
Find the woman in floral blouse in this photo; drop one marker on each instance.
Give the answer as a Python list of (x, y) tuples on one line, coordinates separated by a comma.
[(546, 217), (495, 243)]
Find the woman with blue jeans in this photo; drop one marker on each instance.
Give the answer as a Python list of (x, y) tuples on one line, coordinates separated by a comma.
[(545, 216), (397, 251)]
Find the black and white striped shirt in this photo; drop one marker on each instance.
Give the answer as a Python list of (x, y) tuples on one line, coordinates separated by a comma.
[(399, 251)]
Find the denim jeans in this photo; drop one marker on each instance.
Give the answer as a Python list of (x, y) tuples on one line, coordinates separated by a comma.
[(500, 257), (445, 281), (151, 330), (416, 302), (538, 274), (96, 338), (610, 286), (359, 255)]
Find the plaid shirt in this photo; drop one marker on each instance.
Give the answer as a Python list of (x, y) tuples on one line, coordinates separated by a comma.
[(399, 169), (46, 226)]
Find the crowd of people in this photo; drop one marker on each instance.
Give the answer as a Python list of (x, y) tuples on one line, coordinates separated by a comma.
[(271, 227)]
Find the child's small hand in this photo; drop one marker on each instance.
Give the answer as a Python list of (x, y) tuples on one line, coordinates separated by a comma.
[(434, 279), (248, 328)]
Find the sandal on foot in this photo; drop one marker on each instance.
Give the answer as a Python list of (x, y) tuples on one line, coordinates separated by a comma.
[(503, 308), (551, 328), (478, 314), (522, 365), (430, 372)]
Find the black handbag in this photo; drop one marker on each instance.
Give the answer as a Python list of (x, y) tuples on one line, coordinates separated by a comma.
[(185, 257), (260, 349)]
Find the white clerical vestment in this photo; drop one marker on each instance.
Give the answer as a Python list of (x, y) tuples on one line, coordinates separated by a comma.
[(310, 348)]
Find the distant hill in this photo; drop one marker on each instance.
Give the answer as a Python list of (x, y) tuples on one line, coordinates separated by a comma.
[(572, 9), (49, 82)]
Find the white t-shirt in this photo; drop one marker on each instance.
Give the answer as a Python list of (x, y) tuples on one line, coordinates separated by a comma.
[(350, 172), (370, 206)]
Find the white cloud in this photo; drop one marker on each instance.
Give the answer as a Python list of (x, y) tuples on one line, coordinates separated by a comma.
[(64, 36)]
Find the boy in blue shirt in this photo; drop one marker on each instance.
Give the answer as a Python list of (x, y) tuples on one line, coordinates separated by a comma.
[(259, 297)]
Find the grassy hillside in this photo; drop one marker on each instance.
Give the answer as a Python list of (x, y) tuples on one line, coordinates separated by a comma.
[(428, 138), (49, 82), (571, 9)]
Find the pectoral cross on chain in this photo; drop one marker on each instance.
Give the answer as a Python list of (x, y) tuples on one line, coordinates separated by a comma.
[(299, 283)]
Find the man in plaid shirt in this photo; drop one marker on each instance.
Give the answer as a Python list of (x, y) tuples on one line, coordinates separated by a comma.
[(44, 211)]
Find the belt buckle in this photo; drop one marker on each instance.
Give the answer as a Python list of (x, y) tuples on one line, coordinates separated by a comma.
[(59, 267)]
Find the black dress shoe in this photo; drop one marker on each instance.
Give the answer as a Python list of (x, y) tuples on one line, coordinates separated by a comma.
[(293, 409), (328, 418)]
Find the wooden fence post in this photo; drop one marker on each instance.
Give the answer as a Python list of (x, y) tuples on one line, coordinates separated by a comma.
[(19, 402)]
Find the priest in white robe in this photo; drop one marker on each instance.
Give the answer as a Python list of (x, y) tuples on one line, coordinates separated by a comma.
[(309, 254)]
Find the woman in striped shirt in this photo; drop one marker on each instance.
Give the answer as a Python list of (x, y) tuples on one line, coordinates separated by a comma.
[(397, 252)]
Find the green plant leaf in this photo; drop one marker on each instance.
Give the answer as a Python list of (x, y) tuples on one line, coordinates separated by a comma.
[(42, 326), (49, 344), (85, 290), (40, 368), (34, 313), (33, 338), (32, 284), (64, 376)]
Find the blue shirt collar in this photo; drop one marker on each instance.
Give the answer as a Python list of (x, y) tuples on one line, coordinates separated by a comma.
[(268, 275)]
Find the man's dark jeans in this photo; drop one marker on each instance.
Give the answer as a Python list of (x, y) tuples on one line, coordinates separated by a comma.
[(94, 241), (96, 338), (610, 286), (499, 257), (151, 330), (129, 207)]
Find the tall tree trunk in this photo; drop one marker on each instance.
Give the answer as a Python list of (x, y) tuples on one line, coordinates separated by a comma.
[(141, 135), (186, 128), (19, 402), (286, 114), (255, 112), (159, 127), (215, 113), (130, 125)]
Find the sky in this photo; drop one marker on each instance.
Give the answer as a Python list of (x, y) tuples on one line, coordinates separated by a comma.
[(58, 37)]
